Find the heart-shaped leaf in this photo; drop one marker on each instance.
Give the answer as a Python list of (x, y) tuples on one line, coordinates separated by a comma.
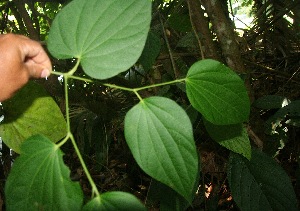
[(39, 179), (115, 200), (217, 93), (107, 36), (31, 111), (160, 136), (260, 184)]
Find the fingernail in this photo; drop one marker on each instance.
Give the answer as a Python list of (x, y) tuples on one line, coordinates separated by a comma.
[(45, 73)]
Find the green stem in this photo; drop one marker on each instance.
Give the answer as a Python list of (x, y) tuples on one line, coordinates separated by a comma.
[(145, 87), (69, 133), (86, 171), (73, 70), (121, 87), (67, 103), (81, 79), (135, 90), (160, 84), (138, 95), (57, 73), (59, 145)]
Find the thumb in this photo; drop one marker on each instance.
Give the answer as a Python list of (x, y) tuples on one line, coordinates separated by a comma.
[(35, 59), (36, 70)]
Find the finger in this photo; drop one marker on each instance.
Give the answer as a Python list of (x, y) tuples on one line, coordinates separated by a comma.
[(36, 59), (36, 70)]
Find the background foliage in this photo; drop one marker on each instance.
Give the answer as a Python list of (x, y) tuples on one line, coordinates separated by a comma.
[(265, 54)]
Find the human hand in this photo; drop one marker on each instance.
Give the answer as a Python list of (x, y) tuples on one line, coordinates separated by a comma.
[(20, 59)]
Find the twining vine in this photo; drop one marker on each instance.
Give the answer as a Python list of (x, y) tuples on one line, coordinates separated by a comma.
[(70, 75)]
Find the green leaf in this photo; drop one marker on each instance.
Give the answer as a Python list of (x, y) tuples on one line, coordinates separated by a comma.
[(31, 111), (115, 200), (107, 36), (39, 180), (260, 184), (217, 93), (151, 51), (232, 137), (160, 136)]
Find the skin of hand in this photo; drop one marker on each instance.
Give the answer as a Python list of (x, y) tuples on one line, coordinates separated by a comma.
[(20, 60)]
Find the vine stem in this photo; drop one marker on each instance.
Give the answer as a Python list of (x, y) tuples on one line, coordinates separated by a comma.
[(73, 70), (69, 133), (67, 103), (134, 90), (86, 171), (160, 84), (70, 136)]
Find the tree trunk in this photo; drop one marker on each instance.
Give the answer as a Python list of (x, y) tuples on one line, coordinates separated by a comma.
[(201, 26), (226, 37)]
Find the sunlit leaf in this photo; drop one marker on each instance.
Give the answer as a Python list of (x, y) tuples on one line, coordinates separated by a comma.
[(107, 36), (160, 136), (31, 111), (39, 180), (217, 93), (260, 184), (115, 200), (233, 137)]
